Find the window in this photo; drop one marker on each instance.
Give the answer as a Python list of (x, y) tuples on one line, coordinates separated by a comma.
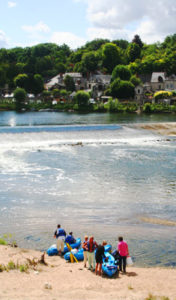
[(160, 79)]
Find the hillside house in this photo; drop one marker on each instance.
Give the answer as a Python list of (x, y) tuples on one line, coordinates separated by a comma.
[(158, 82), (58, 81)]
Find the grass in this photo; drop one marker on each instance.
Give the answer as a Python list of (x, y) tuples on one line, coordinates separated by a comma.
[(7, 240), (152, 297), (31, 263), (23, 268), (130, 287), (11, 265), (14, 266), (2, 242)]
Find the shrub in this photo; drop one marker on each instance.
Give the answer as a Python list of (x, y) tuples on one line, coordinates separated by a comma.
[(23, 268), (162, 95), (147, 108), (20, 96), (2, 242), (11, 265), (82, 99), (2, 268)]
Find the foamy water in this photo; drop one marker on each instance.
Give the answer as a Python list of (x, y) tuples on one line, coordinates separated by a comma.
[(106, 180)]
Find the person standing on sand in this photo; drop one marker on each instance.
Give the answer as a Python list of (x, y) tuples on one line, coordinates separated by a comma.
[(70, 238), (122, 248), (60, 235), (91, 246), (84, 246), (99, 257)]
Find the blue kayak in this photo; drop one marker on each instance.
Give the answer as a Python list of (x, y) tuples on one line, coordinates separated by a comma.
[(109, 267), (73, 246), (53, 249), (79, 254)]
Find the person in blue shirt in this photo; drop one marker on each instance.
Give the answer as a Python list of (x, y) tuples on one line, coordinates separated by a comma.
[(60, 235), (70, 238)]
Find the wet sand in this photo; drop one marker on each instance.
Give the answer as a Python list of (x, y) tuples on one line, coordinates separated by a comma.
[(168, 129)]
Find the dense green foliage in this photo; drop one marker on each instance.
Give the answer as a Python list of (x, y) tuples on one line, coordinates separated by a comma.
[(157, 108), (82, 99), (69, 83), (122, 72), (163, 95), (30, 67), (122, 89), (20, 96)]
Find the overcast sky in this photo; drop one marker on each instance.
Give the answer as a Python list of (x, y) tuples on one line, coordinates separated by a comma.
[(74, 22)]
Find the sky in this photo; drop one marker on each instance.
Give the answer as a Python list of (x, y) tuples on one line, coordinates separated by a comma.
[(74, 22)]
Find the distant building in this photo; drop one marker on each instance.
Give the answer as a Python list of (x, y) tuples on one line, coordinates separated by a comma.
[(58, 81), (158, 82)]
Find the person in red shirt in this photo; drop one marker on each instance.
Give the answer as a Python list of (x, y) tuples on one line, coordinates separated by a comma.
[(91, 246), (122, 248)]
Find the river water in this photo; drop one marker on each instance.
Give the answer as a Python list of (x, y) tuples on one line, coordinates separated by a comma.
[(94, 174)]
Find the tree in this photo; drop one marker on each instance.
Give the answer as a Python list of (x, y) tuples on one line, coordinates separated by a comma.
[(82, 99), (122, 72), (38, 84), (56, 93), (90, 61), (96, 44), (121, 43), (133, 52), (122, 89), (137, 40), (60, 67), (79, 67), (21, 80), (69, 83), (20, 68), (2, 77), (20, 96), (43, 65), (111, 56), (135, 80)]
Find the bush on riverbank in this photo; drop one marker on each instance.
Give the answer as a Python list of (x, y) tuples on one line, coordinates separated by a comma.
[(114, 106), (157, 108), (7, 106)]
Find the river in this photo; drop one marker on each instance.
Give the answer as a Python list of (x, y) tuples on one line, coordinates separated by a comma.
[(93, 173)]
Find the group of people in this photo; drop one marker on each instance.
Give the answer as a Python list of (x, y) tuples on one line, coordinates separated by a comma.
[(89, 246), (62, 238)]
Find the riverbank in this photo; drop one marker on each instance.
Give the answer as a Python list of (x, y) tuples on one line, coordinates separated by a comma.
[(61, 280), (167, 129)]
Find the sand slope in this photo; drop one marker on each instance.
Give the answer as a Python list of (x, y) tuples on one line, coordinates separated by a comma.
[(72, 281)]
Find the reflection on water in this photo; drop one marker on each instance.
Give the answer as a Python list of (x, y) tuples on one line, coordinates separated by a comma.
[(64, 118), (103, 180)]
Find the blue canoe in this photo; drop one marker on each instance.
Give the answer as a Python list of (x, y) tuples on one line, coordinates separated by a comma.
[(109, 267), (53, 249), (79, 253)]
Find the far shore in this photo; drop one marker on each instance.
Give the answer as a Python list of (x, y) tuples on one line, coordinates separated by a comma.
[(167, 129), (61, 280)]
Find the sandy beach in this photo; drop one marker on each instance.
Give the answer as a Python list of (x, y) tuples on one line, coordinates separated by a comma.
[(62, 280), (168, 129)]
